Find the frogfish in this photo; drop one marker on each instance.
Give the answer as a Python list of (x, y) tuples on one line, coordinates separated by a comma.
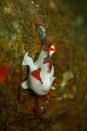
[(41, 77)]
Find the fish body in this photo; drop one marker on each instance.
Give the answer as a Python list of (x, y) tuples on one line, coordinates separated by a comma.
[(41, 75)]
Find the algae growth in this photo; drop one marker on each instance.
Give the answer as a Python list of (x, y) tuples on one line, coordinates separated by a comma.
[(23, 110)]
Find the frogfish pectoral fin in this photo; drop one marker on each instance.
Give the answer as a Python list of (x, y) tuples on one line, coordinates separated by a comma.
[(54, 80), (53, 88), (25, 85)]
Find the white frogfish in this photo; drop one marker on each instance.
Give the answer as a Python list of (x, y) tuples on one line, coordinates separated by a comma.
[(41, 76)]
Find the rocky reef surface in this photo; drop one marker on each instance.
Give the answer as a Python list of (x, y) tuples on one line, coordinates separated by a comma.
[(63, 109)]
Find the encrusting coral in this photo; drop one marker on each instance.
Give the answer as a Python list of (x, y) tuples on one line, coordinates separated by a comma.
[(20, 25)]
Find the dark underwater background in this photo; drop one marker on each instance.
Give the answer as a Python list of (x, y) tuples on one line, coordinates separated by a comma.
[(64, 109)]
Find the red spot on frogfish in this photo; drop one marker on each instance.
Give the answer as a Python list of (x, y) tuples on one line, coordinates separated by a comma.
[(36, 74), (53, 49), (50, 67)]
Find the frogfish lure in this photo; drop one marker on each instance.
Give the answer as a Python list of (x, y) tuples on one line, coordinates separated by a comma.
[(41, 77)]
